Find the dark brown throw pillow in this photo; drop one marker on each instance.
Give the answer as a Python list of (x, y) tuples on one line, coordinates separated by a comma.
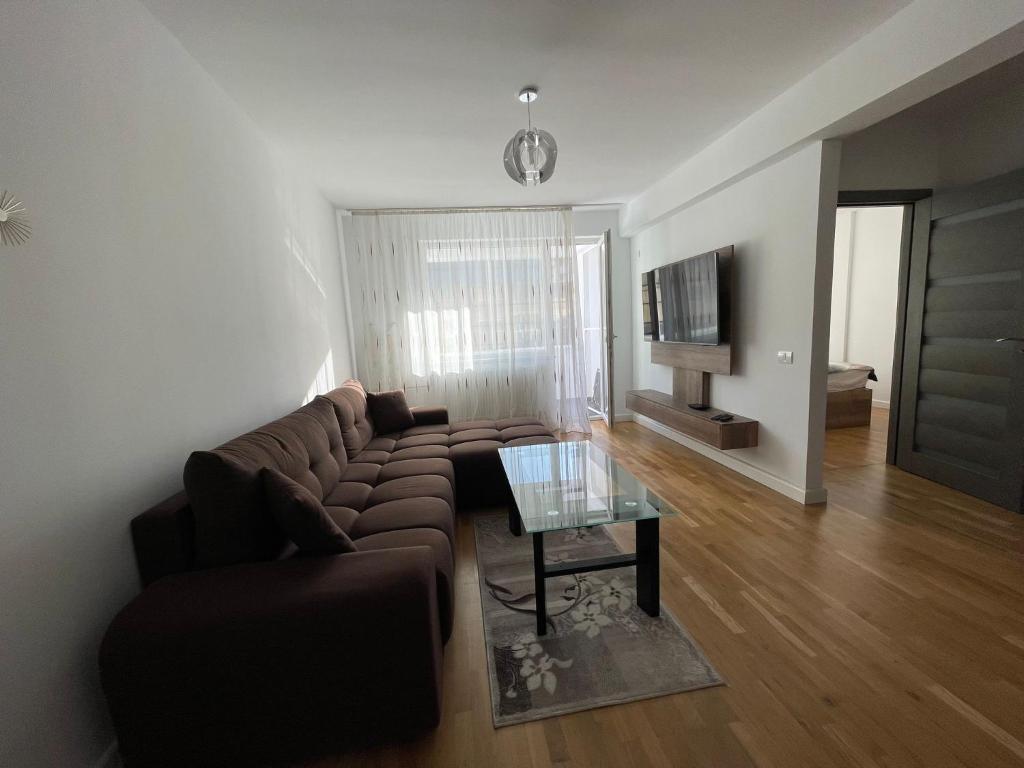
[(302, 517), (389, 411)]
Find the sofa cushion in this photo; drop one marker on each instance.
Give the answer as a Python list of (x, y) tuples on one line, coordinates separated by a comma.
[(528, 430), (441, 548), (232, 522), (427, 429), (380, 443), (537, 440), (463, 426), (413, 467), (418, 440), (372, 457), (302, 517), (314, 455), (361, 473), (343, 517), (420, 512), (515, 421), (468, 435), (469, 451), (349, 403), (420, 452), (478, 474), (411, 488), (352, 495), (389, 411)]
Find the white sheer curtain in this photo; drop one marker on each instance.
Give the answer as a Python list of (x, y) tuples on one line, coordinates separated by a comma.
[(477, 310)]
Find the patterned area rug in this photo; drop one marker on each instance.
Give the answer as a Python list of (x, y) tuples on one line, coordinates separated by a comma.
[(604, 650)]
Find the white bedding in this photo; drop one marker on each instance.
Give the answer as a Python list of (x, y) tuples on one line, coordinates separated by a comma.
[(844, 376)]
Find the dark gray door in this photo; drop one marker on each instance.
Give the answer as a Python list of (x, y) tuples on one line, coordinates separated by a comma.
[(961, 420)]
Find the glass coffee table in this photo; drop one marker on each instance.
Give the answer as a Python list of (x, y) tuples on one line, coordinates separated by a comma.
[(577, 485)]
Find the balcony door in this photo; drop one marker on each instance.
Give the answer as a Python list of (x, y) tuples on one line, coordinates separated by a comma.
[(594, 255)]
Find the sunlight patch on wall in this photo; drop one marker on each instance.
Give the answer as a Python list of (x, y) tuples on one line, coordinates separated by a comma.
[(324, 379), (299, 254)]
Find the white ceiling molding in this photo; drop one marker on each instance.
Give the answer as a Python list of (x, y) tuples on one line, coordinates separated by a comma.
[(923, 49)]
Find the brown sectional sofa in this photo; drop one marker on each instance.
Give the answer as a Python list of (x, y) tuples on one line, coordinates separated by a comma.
[(240, 650)]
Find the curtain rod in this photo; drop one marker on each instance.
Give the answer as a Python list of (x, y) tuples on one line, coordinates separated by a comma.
[(481, 209)]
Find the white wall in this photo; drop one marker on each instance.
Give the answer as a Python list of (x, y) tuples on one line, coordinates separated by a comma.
[(921, 50), (780, 222), (595, 223), (864, 290), (842, 260), (969, 133), (181, 285)]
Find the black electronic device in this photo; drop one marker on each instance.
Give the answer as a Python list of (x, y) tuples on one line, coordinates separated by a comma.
[(688, 301)]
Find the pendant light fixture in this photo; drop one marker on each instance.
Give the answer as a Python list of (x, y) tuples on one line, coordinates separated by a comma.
[(530, 154)]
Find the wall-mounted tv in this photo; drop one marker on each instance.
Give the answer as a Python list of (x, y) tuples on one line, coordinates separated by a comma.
[(687, 302)]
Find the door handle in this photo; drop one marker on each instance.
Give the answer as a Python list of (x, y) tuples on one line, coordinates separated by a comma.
[(1010, 338)]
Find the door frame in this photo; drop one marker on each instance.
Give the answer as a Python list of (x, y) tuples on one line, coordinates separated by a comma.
[(908, 198)]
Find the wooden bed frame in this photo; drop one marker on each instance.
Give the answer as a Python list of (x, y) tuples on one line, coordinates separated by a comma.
[(848, 408)]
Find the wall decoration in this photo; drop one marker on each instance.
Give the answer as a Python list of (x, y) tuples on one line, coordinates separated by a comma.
[(14, 227)]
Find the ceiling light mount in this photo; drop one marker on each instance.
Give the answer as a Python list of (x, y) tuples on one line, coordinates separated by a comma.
[(531, 153), (529, 94)]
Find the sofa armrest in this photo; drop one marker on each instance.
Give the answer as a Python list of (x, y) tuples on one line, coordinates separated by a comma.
[(430, 415), (163, 537), (275, 660)]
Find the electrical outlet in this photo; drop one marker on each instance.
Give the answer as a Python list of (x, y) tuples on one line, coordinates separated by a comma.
[(785, 357)]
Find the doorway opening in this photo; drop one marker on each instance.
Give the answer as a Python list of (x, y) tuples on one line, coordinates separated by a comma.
[(593, 264), (864, 332)]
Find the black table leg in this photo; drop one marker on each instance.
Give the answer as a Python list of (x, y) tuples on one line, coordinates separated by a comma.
[(515, 525), (648, 582), (538, 584)]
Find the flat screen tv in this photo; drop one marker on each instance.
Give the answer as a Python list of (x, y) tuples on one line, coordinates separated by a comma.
[(687, 302)]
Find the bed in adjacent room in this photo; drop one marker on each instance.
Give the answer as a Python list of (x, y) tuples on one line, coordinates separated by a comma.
[(849, 399)]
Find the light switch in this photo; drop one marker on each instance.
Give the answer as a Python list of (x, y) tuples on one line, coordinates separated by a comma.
[(785, 358)]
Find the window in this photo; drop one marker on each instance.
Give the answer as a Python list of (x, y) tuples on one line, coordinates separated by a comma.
[(483, 305)]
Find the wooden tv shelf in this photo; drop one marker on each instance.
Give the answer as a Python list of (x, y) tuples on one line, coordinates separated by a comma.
[(741, 432)]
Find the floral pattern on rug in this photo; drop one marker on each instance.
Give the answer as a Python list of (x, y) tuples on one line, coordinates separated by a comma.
[(600, 649)]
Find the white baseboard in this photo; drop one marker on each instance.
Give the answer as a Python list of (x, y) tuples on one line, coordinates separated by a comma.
[(110, 758), (880, 404), (775, 483), (625, 416)]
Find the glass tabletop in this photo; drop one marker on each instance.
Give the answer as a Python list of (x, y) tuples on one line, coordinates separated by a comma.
[(573, 485)]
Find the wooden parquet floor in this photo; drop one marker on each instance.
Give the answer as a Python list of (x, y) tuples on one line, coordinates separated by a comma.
[(884, 629)]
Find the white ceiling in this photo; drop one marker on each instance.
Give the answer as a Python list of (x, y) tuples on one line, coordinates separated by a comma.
[(411, 102)]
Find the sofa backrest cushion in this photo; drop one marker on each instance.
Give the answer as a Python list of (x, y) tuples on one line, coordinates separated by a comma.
[(232, 524), (350, 407), (232, 521)]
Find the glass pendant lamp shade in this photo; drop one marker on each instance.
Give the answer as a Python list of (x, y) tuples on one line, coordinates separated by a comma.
[(530, 155)]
